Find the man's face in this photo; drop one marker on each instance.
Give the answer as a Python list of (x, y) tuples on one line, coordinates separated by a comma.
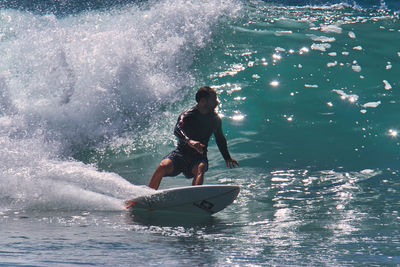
[(212, 102)]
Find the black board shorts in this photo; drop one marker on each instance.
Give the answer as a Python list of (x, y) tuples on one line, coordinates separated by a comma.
[(184, 162)]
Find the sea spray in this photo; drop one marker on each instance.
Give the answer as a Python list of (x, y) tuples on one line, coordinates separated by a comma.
[(68, 83), (95, 74)]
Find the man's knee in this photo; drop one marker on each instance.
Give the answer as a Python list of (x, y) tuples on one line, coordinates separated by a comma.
[(199, 168), (202, 167)]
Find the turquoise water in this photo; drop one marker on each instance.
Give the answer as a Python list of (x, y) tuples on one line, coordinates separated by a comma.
[(309, 100)]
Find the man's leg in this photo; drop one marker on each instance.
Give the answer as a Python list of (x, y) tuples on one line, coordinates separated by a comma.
[(166, 167), (198, 172)]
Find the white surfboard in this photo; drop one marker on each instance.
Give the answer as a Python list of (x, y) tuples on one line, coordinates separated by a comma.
[(201, 199)]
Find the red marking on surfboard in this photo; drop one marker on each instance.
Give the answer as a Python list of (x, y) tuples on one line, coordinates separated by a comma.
[(129, 204)]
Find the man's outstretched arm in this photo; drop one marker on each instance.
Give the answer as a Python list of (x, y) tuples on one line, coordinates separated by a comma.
[(223, 146)]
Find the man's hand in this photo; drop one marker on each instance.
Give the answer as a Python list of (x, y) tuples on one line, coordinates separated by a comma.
[(230, 163), (199, 147)]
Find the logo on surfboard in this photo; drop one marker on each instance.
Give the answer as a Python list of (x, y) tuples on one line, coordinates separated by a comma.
[(205, 205)]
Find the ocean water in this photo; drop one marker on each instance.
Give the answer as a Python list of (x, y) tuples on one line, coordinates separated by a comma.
[(309, 91)]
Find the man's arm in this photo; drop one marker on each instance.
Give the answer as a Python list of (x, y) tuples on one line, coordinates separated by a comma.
[(223, 145), (179, 131)]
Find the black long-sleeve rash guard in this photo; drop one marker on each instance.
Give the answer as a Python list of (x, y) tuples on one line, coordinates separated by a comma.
[(193, 125)]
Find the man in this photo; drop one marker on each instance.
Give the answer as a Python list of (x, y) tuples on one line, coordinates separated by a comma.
[(194, 129)]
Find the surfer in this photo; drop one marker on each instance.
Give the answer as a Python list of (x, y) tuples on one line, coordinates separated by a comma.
[(194, 129)]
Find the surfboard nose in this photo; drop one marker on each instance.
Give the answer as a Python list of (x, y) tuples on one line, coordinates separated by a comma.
[(129, 204)]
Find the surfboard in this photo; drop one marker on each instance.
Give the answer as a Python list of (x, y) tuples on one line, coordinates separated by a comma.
[(201, 199)]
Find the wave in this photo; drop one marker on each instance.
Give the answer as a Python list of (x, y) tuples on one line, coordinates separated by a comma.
[(71, 81)]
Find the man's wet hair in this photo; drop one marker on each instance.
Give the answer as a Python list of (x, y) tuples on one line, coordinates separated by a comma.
[(204, 92)]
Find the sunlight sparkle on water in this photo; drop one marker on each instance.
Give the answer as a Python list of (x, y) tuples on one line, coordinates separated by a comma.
[(304, 50), (276, 57), (288, 117), (393, 133), (274, 83), (238, 117)]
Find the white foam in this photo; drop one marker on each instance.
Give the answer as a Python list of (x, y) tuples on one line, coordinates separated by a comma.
[(280, 33), (323, 39), (280, 49), (83, 74), (351, 98), (321, 47), (311, 85), (387, 85), (32, 178), (331, 64), (372, 104), (331, 29), (356, 68), (352, 35)]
